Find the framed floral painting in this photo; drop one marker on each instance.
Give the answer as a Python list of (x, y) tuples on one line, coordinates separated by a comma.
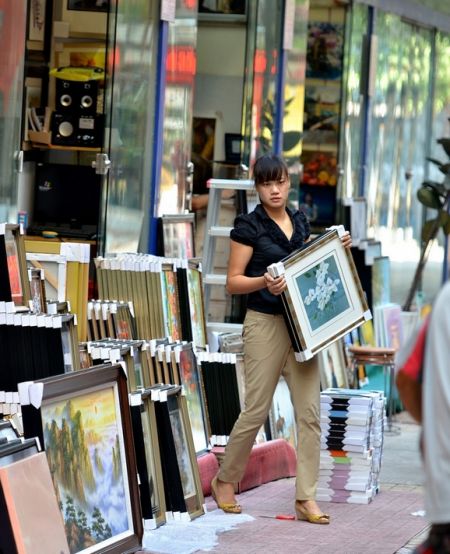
[(324, 299)]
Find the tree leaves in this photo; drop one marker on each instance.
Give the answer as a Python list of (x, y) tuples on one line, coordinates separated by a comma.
[(429, 230), (429, 196)]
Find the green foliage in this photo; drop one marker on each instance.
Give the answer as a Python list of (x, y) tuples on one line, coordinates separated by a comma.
[(436, 196), (100, 528)]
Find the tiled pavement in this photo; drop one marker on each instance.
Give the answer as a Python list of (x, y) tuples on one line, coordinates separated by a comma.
[(385, 526), (382, 527)]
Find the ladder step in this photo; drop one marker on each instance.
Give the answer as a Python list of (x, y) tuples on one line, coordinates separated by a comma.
[(234, 184), (220, 231), (214, 279)]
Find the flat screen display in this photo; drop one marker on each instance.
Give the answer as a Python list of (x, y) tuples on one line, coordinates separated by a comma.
[(66, 195)]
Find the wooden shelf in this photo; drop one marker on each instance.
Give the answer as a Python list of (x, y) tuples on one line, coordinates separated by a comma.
[(67, 148)]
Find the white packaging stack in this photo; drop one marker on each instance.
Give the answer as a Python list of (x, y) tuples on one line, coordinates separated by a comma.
[(352, 423)]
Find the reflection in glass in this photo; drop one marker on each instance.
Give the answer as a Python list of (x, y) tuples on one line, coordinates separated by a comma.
[(263, 48), (440, 128), (129, 102), (175, 182), (357, 21), (12, 50), (294, 90), (399, 139)]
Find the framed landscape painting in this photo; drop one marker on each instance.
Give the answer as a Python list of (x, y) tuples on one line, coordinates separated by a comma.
[(85, 427), (324, 299)]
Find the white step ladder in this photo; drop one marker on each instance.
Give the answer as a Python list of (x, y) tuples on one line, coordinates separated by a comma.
[(212, 232)]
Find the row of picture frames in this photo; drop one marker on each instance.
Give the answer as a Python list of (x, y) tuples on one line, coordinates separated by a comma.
[(97, 440), (36, 346), (107, 319), (167, 294), (155, 363)]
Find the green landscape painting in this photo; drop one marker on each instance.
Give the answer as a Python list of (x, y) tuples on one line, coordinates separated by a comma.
[(81, 437)]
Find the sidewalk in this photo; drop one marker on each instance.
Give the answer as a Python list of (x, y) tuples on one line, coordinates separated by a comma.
[(385, 526)]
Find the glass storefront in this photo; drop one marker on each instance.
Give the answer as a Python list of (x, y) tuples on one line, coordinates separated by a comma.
[(129, 107), (398, 140)]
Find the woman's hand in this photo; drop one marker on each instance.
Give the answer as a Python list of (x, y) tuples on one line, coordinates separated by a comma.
[(275, 285), (346, 240)]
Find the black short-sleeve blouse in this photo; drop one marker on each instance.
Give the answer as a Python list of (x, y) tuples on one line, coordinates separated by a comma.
[(270, 245)]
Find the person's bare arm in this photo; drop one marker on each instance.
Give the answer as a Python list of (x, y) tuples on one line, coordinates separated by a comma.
[(199, 201), (238, 282)]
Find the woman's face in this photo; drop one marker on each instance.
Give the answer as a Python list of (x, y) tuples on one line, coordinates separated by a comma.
[(273, 194)]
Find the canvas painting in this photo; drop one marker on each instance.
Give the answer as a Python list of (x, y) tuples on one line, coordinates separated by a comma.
[(332, 367), (173, 310), (153, 463), (37, 526), (322, 104), (196, 307), (322, 292), (324, 299), (80, 54), (182, 450), (36, 18), (325, 50), (282, 414), (381, 281), (318, 203), (84, 447), (190, 380), (12, 258), (178, 239)]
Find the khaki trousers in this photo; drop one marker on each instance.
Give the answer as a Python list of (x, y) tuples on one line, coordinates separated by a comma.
[(268, 353)]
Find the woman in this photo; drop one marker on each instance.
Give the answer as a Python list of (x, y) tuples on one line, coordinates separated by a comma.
[(267, 235)]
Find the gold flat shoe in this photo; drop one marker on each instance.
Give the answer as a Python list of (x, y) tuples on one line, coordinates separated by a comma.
[(229, 508), (304, 515)]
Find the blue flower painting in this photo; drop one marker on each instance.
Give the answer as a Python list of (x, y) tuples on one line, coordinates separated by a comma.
[(322, 292)]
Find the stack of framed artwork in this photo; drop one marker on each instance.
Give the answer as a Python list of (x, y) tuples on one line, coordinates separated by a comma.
[(166, 294), (324, 299), (110, 320), (84, 418), (159, 363), (36, 346), (221, 385), (65, 270), (169, 477), (177, 235)]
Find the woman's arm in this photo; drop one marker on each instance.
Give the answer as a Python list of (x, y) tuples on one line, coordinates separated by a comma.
[(237, 282)]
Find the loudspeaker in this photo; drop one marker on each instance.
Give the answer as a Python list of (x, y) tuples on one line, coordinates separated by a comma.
[(76, 96), (70, 129)]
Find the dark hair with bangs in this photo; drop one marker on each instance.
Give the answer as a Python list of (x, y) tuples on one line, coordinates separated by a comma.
[(269, 167)]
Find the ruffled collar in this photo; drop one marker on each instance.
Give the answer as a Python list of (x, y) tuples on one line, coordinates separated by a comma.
[(277, 234)]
